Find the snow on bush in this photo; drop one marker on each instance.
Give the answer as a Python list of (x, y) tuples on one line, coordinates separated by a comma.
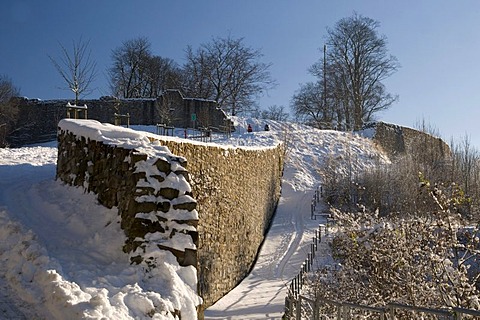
[(420, 259)]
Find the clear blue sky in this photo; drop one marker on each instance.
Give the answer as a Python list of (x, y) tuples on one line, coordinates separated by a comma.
[(437, 43)]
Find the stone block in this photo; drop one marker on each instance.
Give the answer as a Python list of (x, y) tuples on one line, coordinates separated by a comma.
[(189, 206), (169, 193), (163, 166), (163, 206)]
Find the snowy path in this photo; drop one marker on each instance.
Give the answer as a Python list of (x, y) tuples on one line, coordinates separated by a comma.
[(15, 180), (262, 294)]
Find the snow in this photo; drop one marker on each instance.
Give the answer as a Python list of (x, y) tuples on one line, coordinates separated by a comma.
[(76, 107), (62, 255)]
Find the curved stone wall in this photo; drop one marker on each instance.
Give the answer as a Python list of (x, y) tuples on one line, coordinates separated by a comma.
[(236, 190)]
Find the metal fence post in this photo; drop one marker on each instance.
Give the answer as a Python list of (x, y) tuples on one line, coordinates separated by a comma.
[(299, 308), (294, 287), (287, 307)]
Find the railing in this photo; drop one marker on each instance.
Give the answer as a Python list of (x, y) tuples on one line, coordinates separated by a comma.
[(204, 134), (297, 282), (308, 308), (317, 197), (118, 119), (164, 130), (73, 111), (227, 131), (460, 312)]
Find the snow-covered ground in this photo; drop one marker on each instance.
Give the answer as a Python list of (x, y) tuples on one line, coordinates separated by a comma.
[(61, 254)]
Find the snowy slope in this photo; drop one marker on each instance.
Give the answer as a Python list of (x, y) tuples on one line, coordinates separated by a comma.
[(62, 254), (55, 238)]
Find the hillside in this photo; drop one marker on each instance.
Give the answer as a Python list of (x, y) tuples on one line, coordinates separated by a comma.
[(55, 238)]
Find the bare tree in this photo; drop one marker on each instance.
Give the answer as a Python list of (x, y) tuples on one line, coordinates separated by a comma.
[(197, 72), (349, 91), (137, 73), (227, 71), (7, 89), (8, 110), (310, 107), (465, 170), (358, 55), (127, 74), (162, 74), (76, 68), (276, 113)]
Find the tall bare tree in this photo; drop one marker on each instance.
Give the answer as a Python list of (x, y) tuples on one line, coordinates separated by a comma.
[(357, 54), (350, 74), (76, 68), (227, 71)]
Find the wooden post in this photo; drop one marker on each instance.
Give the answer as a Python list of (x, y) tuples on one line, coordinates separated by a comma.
[(76, 109), (118, 119)]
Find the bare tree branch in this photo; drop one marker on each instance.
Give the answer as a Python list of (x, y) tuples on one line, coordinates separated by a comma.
[(8, 109), (227, 71), (76, 68), (136, 73)]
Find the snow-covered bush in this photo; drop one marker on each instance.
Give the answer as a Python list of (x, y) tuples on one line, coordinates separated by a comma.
[(465, 167), (394, 188), (428, 259)]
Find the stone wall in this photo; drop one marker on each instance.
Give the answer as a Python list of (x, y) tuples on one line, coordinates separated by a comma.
[(397, 141), (37, 119), (236, 191), (148, 184)]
